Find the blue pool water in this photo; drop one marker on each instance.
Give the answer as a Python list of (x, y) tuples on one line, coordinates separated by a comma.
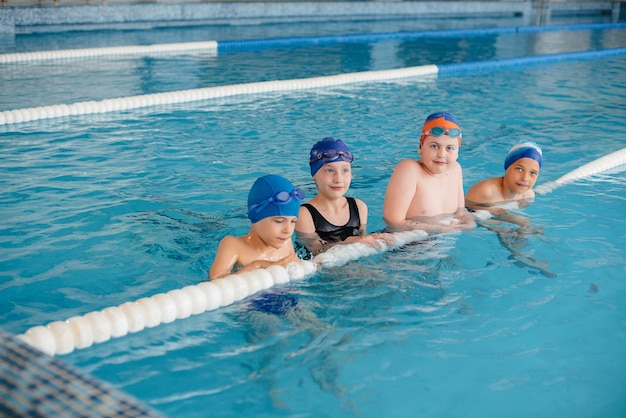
[(100, 210)]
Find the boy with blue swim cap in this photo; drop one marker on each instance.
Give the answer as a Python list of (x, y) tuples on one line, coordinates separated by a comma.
[(521, 171), (273, 207), (493, 199)]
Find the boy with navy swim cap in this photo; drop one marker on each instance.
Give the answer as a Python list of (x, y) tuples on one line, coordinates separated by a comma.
[(427, 194), (330, 217), (273, 206), (498, 195), (521, 171)]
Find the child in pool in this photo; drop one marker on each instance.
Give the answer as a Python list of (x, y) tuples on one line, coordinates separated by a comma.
[(513, 190), (273, 206), (427, 194), (521, 171), (331, 218)]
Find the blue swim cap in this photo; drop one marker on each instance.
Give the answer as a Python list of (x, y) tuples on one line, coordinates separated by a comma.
[(523, 149), (321, 156), (447, 116), (273, 195)]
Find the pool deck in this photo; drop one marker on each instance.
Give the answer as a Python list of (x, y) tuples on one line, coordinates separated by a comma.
[(50, 17), (37, 385)]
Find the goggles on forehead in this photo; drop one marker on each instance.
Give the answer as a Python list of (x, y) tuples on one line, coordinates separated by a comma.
[(279, 198), (438, 131), (332, 155)]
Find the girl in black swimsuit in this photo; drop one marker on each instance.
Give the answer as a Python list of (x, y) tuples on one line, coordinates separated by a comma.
[(331, 217)]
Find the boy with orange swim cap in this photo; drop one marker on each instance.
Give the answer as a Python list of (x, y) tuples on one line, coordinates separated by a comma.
[(428, 193)]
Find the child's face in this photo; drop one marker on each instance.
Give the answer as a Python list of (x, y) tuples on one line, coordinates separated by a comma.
[(276, 231), (334, 179), (438, 152), (522, 175)]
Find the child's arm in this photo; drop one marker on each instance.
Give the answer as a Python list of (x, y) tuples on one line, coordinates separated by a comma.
[(362, 216), (466, 220), (262, 264), (399, 194), (225, 259)]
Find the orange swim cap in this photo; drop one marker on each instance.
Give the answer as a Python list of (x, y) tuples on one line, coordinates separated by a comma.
[(440, 120)]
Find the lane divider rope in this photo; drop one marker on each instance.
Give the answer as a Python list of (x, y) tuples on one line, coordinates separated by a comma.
[(156, 49), (250, 44), (185, 96), (63, 337), (600, 165)]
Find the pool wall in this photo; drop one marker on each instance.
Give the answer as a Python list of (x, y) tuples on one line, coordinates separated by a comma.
[(49, 18)]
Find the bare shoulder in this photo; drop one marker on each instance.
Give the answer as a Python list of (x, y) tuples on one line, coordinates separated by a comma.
[(231, 243), (362, 206), (407, 165), (304, 223), (456, 168), (406, 172), (360, 203), (484, 191)]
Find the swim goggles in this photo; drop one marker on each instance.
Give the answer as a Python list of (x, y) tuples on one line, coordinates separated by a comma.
[(438, 131), (332, 155), (279, 198)]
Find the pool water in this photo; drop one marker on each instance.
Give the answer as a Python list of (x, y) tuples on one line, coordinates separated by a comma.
[(100, 210)]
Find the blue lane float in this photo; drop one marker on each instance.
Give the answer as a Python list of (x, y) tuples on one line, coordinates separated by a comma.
[(492, 65), (255, 44)]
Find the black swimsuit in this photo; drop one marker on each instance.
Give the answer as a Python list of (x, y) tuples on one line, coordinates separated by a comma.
[(333, 233)]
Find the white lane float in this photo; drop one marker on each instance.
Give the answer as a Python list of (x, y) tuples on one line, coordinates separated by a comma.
[(600, 165), (63, 337), (136, 50), (16, 116)]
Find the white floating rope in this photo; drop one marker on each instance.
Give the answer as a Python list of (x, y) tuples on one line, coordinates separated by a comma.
[(63, 337), (184, 96), (612, 160), (156, 49)]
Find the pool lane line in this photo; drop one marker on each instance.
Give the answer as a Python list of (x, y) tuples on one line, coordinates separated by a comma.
[(597, 166), (141, 50), (63, 337), (455, 69), (16, 116), (253, 44), (186, 96)]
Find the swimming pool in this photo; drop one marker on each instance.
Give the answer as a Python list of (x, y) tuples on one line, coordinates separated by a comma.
[(102, 209)]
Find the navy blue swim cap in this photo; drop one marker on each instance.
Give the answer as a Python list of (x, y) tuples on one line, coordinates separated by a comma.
[(523, 149), (328, 150), (273, 195), (447, 116)]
